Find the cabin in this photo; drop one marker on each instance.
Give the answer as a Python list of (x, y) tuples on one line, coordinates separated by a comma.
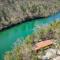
[(42, 44)]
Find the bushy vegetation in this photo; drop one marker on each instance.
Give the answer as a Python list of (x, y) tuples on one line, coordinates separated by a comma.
[(25, 51), (14, 11)]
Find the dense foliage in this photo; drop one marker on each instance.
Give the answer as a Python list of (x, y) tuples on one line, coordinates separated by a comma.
[(25, 51), (15, 11)]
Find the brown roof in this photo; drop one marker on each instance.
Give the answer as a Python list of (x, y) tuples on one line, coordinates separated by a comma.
[(42, 44)]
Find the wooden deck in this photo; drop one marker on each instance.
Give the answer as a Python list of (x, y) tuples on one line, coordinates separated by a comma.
[(42, 44)]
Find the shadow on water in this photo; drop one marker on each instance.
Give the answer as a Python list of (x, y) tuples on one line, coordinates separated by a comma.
[(22, 22), (27, 20)]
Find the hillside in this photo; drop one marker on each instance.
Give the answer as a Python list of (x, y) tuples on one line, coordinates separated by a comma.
[(15, 11)]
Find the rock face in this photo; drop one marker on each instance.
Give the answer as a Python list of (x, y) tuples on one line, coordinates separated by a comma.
[(57, 58), (58, 52), (50, 53), (15, 11)]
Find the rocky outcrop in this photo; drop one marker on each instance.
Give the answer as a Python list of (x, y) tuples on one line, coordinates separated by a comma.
[(56, 58), (52, 54)]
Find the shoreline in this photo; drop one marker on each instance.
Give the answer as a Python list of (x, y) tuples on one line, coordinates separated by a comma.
[(24, 21), (19, 23)]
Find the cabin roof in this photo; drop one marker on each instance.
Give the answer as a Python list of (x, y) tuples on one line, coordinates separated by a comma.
[(42, 44)]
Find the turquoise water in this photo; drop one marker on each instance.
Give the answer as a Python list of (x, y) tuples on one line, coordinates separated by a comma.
[(8, 37)]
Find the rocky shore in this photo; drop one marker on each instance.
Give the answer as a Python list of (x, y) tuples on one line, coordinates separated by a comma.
[(17, 11), (24, 50)]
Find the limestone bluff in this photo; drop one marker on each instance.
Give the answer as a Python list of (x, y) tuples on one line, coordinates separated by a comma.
[(16, 11)]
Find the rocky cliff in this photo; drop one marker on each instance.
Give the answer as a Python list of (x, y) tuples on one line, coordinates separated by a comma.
[(15, 11)]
